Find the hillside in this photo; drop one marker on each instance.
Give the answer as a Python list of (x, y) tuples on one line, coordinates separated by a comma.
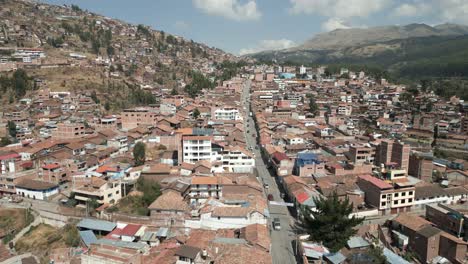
[(409, 51), (114, 51)]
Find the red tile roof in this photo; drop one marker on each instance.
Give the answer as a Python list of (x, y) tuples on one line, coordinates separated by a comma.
[(130, 230), (376, 181)]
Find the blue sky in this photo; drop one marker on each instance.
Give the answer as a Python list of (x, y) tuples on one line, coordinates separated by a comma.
[(243, 26)]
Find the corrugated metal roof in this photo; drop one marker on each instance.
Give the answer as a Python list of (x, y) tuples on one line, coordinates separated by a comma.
[(357, 242), (335, 258), (162, 232), (98, 225), (119, 243), (88, 237), (393, 258)]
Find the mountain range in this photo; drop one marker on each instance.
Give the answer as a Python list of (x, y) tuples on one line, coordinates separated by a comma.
[(412, 50)]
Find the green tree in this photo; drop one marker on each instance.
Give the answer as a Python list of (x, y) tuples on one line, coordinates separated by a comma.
[(174, 91), (330, 222), (196, 113), (151, 190), (313, 108), (11, 129), (5, 142), (139, 153), (376, 253), (93, 204), (71, 235), (107, 106)]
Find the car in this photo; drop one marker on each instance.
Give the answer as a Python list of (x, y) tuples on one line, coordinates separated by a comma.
[(276, 224), (248, 131), (256, 147), (266, 186), (270, 197)]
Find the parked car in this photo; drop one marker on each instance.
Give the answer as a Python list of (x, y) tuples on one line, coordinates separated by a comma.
[(266, 186), (270, 197), (276, 224)]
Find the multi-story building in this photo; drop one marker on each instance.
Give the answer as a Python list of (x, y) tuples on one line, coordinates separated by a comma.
[(393, 151), (393, 196), (226, 113), (132, 118), (104, 192), (452, 220), (196, 148), (361, 154), (420, 166), (119, 142), (236, 160), (69, 131), (202, 188)]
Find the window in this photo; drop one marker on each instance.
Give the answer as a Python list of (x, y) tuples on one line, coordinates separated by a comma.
[(383, 203), (403, 193), (396, 195), (410, 193), (384, 196), (410, 200), (395, 202), (403, 201)]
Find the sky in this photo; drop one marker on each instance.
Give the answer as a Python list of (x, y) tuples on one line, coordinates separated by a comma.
[(246, 26)]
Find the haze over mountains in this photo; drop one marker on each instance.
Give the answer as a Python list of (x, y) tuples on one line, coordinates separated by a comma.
[(412, 50), (341, 38)]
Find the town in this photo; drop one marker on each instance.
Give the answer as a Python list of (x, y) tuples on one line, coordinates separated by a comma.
[(221, 159)]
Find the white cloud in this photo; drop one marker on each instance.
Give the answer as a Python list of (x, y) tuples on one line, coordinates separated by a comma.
[(334, 23), (181, 25), (436, 10), (231, 9), (338, 8), (269, 44), (412, 9)]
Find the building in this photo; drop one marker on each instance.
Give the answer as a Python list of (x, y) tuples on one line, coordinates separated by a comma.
[(451, 220), (308, 164), (202, 188), (236, 160), (226, 113), (420, 166), (393, 151), (69, 131), (361, 154), (37, 190), (104, 192), (386, 197), (132, 118), (196, 148)]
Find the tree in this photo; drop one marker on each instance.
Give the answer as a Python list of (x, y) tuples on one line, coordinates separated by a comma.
[(376, 253), (150, 189), (107, 105), (330, 222), (11, 129), (196, 113), (139, 153), (5, 142), (174, 92), (313, 108)]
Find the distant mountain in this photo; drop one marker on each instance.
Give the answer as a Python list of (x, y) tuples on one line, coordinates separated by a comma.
[(342, 38), (413, 50)]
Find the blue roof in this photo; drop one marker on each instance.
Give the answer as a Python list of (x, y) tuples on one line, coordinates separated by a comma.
[(357, 242), (393, 258), (99, 225), (335, 258), (306, 158), (88, 237)]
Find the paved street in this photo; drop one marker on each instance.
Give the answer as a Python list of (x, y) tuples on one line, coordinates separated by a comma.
[(281, 240)]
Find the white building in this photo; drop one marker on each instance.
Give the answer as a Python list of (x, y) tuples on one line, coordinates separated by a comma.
[(120, 143), (202, 188), (196, 148), (236, 160), (302, 70), (226, 113), (37, 190)]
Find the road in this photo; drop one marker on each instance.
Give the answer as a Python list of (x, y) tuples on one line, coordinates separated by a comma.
[(282, 250)]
